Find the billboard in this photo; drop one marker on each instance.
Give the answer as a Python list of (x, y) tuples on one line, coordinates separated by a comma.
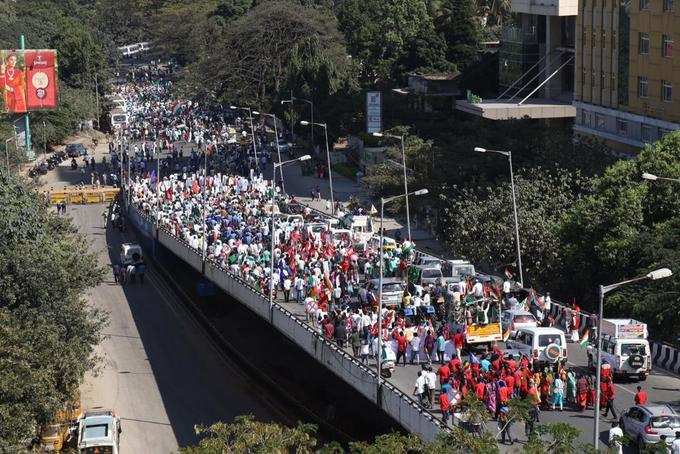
[(28, 80), (373, 111)]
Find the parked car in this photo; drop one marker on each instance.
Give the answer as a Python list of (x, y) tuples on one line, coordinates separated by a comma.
[(74, 150), (646, 423)]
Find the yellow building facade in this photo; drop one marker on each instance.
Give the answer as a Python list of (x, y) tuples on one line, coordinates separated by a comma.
[(627, 75)]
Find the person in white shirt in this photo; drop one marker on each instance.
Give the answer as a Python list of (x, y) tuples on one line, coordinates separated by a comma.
[(420, 387), (615, 437), (477, 289), (506, 287), (675, 447), (299, 288), (415, 348), (431, 379), (287, 284)]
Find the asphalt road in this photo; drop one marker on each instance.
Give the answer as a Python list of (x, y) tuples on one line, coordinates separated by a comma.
[(159, 371)]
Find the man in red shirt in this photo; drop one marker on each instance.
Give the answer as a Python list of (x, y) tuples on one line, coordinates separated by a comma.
[(445, 407), (454, 364), (607, 394), (401, 347), (480, 390), (503, 393), (640, 396), (444, 373), (510, 384), (459, 341)]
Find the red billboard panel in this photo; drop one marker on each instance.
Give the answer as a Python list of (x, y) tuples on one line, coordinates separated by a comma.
[(41, 79), (13, 80), (28, 80)]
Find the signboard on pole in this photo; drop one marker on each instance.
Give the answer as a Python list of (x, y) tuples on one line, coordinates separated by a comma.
[(28, 80), (41, 79), (373, 111)]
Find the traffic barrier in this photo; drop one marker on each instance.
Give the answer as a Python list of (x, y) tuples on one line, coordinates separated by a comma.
[(82, 196)]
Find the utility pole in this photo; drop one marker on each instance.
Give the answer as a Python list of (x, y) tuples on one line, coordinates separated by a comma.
[(30, 155), (96, 91), (44, 138)]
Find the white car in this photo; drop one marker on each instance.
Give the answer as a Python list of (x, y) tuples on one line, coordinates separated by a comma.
[(629, 358), (646, 423), (514, 319), (545, 346)]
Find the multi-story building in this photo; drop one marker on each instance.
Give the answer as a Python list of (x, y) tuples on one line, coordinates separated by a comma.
[(536, 64), (626, 70)]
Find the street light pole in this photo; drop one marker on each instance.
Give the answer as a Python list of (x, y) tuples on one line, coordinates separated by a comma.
[(328, 159), (7, 153), (514, 207), (278, 149), (403, 163), (651, 177), (602, 290), (384, 201), (272, 231)]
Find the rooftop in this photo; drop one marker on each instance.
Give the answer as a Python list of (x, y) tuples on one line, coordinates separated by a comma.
[(506, 110)]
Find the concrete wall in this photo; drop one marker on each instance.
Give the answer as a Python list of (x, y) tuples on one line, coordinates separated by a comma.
[(398, 405)]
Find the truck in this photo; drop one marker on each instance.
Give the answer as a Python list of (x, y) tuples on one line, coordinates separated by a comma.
[(624, 347), (99, 432)]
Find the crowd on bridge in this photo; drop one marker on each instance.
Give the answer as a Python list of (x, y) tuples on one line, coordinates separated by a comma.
[(216, 199)]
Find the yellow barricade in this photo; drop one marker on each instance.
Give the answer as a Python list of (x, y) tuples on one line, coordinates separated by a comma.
[(75, 198), (110, 194), (74, 195), (58, 197)]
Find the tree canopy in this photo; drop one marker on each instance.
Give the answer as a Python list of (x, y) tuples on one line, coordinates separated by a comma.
[(47, 332)]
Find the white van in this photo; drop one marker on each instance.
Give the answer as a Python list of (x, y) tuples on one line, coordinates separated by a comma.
[(99, 432), (545, 346), (119, 119), (362, 228), (392, 290)]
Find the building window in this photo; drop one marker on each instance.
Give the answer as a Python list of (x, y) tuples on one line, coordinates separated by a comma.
[(668, 5), (642, 87), (666, 46), (643, 44), (600, 122), (644, 4), (647, 133), (666, 91), (663, 132), (622, 127), (585, 118)]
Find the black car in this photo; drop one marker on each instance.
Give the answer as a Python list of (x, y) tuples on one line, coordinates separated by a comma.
[(74, 150)]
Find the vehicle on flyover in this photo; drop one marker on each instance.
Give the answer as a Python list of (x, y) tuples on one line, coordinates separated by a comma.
[(624, 347), (647, 423), (545, 346)]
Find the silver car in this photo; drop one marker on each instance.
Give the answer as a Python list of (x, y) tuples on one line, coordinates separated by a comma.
[(646, 423)]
